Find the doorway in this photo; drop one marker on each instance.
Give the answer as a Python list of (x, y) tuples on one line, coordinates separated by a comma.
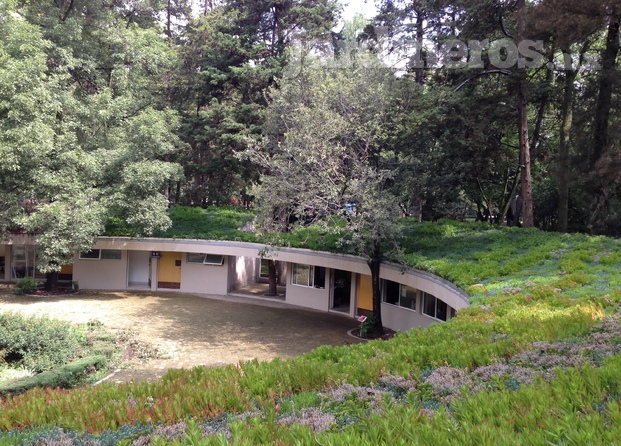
[(341, 291), (169, 271), (139, 274)]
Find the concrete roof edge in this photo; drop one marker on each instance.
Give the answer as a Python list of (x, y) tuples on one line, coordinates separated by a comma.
[(261, 246)]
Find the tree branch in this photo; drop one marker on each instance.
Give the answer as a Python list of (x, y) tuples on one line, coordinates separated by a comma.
[(502, 24), (66, 14), (484, 73)]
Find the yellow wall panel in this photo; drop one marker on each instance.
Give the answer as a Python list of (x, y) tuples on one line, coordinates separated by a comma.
[(169, 268), (365, 293)]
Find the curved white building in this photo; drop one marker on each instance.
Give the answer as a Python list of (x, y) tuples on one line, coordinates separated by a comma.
[(318, 280)]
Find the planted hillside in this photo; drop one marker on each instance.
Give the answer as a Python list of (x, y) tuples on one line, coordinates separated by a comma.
[(535, 360), (212, 223)]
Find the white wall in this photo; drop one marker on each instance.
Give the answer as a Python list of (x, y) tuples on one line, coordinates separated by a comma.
[(101, 274), (204, 279), (398, 318), (315, 298)]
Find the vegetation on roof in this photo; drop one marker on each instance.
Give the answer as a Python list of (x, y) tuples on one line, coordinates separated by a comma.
[(212, 223), (489, 261), (484, 260)]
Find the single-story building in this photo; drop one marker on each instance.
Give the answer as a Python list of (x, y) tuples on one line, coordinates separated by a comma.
[(318, 280)]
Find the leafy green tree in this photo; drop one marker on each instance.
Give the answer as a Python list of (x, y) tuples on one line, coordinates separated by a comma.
[(85, 134), (326, 161), (231, 56)]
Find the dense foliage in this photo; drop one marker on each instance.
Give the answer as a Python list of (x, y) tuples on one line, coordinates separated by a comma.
[(466, 136), (38, 343), (105, 107), (85, 131)]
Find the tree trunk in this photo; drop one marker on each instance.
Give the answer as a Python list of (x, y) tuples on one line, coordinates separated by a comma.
[(178, 192), (420, 39), (272, 278), (374, 264), (541, 112), (601, 127), (51, 281), (515, 217), (564, 174), (604, 98), (522, 103)]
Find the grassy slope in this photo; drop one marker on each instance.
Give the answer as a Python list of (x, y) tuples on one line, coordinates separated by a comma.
[(211, 223), (539, 302)]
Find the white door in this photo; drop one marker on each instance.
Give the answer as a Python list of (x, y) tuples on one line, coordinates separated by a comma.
[(139, 269)]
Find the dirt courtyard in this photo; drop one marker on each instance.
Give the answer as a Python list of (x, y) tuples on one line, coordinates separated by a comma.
[(194, 329)]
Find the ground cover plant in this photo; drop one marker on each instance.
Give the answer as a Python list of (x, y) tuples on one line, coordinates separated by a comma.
[(212, 223), (534, 360)]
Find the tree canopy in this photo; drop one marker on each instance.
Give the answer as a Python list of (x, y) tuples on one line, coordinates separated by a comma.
[(86, 132), (326, 159)]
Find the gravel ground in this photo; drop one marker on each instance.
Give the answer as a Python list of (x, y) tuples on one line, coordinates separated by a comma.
[(194, 329)]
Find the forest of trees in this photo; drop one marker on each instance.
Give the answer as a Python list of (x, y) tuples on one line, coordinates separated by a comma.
[(114, 110)]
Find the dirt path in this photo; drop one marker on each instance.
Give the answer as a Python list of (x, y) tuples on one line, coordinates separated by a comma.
[(195, 329)]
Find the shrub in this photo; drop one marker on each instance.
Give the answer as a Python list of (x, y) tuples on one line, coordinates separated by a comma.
[(65, 377), (27, 285), (367, 327), (37, 343)]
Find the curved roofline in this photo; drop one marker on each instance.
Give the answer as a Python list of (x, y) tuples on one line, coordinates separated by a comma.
[(400, 273)]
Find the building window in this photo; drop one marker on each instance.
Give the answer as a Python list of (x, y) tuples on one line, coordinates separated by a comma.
[(195, 258), (265, 268), (93, 254), (102, 254), (408, 297), (308, 275), (400, 295), (24, 262), (436, 308), (111, 254), (205, 259)]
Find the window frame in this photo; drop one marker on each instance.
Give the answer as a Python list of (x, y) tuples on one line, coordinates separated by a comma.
[(25, 257), (403, 290), (82, 255), (315, 275), (400, 295), (220, 262), (296, 270), (449, 311), (205, 257), (101, 255), (264, 268), (105, 254)]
